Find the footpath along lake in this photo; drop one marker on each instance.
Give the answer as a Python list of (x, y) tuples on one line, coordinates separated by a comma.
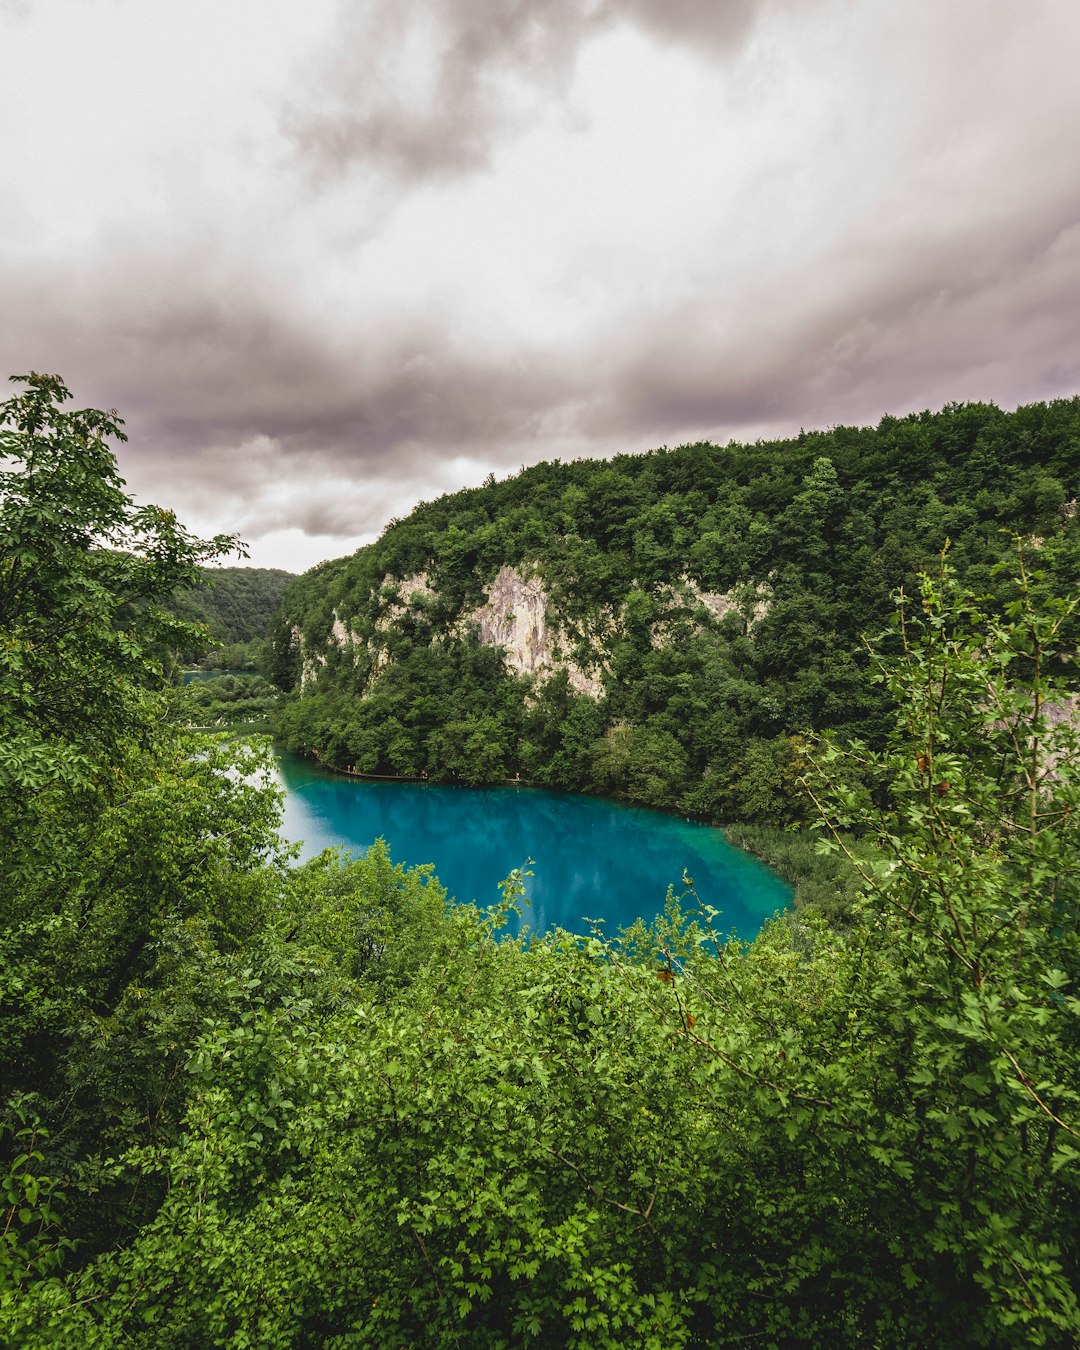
[(591, 858)]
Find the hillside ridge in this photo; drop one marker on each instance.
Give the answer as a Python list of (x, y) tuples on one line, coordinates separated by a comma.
[(664, 627)]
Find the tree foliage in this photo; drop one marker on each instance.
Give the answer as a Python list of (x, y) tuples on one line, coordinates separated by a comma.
[(227, 699), (236, 605)]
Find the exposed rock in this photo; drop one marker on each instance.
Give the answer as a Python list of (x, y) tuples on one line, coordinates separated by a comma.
[(1057, 711), (1065, 709), (515, 618), (343, 637), (409, 588), (342, 634), (309, 661), (752, 602)]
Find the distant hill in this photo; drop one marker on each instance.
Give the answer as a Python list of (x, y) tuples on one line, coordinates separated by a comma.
[(665, 626), (237, 604)]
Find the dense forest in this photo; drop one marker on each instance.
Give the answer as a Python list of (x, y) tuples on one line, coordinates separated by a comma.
[(230, 700), (250, 1103), (228, 614), (706, 607), (235, 605)]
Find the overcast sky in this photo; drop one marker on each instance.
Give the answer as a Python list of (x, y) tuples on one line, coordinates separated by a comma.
[(328, 259)]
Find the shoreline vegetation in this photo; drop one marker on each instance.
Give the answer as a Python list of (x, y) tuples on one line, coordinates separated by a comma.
[(824, 883)]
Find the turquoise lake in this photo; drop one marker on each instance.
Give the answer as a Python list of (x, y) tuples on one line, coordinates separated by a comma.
[(591, 858)]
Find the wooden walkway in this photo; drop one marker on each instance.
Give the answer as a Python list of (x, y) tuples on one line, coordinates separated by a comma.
[(415, 778)]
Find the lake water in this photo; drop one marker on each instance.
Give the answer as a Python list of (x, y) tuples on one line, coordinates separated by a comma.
[(591, 858)]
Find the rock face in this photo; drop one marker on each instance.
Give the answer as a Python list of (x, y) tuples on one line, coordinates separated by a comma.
[(309, 661), (752, 602), (515, 617), (1056, 712), (409, 589), (417, 586), (341, 634)]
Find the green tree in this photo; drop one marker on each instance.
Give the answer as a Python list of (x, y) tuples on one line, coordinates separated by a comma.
[(656, 767), (82, 576), (127, 852), (609, 767), (972, 962), (401, 1130)]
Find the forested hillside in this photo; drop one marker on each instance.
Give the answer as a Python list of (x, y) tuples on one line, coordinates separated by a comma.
[(674, 622), (236, 605), (248, 1103)]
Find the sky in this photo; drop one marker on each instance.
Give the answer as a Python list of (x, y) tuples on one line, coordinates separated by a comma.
[(331, 259)]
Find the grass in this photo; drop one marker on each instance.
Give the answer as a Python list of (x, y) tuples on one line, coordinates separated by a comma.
[(824, 884)]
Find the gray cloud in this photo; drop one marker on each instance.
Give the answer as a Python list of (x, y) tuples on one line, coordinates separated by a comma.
[(715, 28), (490, 68), (988, 314), (221, 381), (919, 247), (364, 110), (233, 400)]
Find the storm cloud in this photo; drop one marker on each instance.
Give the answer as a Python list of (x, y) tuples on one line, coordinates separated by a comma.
[(327, 264), (427, 91)]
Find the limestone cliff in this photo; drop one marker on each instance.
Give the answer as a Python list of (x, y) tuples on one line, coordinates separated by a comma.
[(516, 617)]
